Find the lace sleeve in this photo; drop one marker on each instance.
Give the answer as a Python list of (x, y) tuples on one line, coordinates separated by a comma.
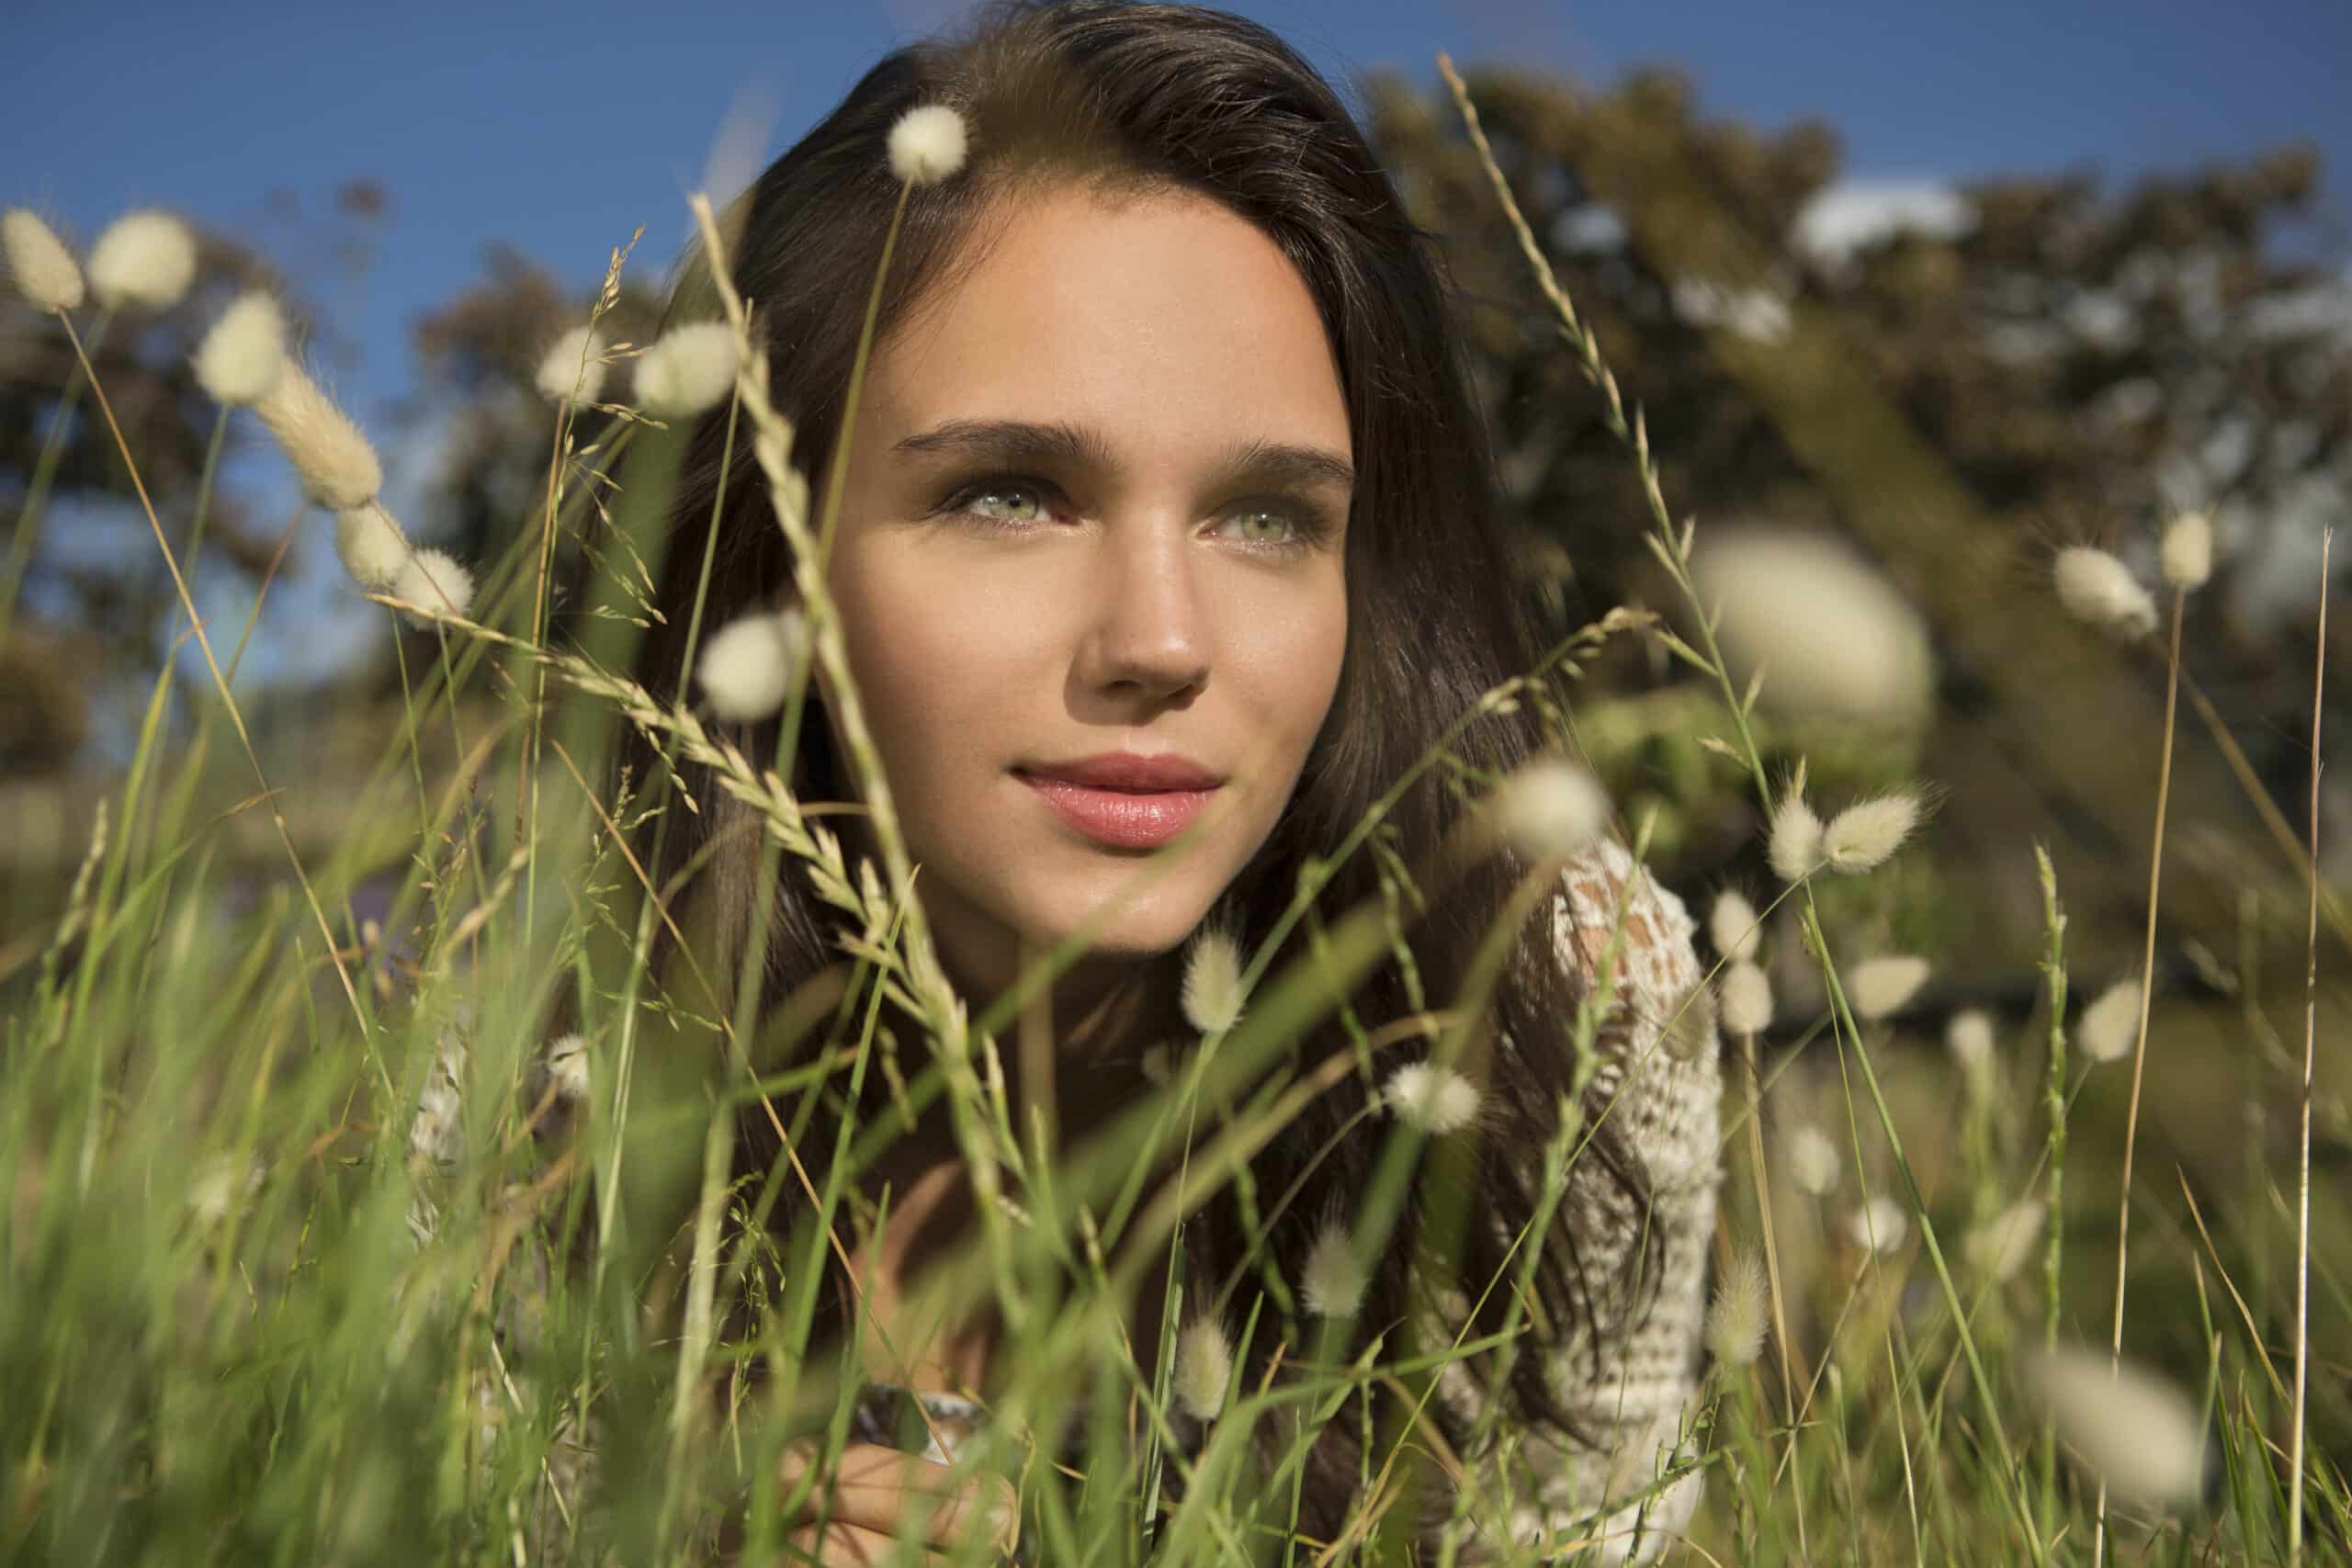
[(1629, 1376)]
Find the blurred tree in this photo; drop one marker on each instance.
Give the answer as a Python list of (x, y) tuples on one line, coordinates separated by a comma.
[(1960, 385)]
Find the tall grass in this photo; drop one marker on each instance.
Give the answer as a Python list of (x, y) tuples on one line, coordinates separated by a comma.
[(314, 1252)]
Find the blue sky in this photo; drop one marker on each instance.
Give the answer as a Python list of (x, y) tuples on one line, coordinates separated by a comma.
[(562, 129)]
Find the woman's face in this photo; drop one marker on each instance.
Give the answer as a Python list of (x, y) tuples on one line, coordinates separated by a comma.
[(1089, 563)]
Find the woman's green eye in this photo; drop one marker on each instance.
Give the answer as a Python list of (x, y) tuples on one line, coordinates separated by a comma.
[(1012, 492), (1264, 527)]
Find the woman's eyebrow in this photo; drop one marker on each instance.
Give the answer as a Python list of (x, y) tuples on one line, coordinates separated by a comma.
[(1014, 441)]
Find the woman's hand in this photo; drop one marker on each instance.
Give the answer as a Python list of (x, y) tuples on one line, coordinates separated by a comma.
[(876, 1496)]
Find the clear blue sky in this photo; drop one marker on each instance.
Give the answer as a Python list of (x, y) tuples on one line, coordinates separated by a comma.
[(562, 128)]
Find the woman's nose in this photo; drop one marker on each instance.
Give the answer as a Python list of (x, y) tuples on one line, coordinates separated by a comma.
[(1147, 635)]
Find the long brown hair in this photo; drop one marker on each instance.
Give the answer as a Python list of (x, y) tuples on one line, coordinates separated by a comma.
[(1140, 97)]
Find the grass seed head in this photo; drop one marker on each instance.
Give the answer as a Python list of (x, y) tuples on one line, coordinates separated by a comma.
[(433, 581), (1332, 1282), (1969, 1038), (2110, 1023), (1814, 1165), (243, 354), (337, 467), (1551, 809), (1212, 993), (2189, 550), (1436, 1099), (2004, 1243), (1794, 847), (2099, 590), (44, 269), (1862, 836), (927, 145), (747, 666), (144, 259), (688, 370), (1204, 1368), (1741, 1312), (1747, 998), (371, 545), (1835, 639), (573, 368), (2141, 1435), (1731, 925), (1880, 986), (1878, 1225)]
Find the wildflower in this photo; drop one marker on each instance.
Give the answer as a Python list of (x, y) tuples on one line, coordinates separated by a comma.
[(688, 370), (216, 1185), (1436, 1099), (373, 548), (573, 368), (1212, 992), (1735, 1322), (1204, 1368), (1814, 1167), (1864, 836), (44, 269), (336, 465), (1794, 847), (2187, 552), (748, 664), (1731, 925), (1879, 986), (1747, 1000), (2110, 1024), (2003, 1245), (145, 259), (1550, 808), (1833, 636), (568, 1068), (1878, 1225), (434, 580), (927, 144), (241, 357), (1331, 1283), (2138, 1432), (2099, 590), (1969, 1038)]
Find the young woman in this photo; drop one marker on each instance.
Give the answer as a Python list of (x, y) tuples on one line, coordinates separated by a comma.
[(1167, 504)]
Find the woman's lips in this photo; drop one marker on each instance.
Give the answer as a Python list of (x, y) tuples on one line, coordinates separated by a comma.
[(1126, 819)]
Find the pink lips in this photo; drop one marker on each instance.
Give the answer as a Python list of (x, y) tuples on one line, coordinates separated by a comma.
[(1123, 800)]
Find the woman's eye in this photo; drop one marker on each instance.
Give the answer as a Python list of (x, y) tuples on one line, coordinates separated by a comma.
[(981, 501), (1263, 527)]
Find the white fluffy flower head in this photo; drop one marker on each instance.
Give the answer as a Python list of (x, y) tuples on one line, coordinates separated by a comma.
[(243, 354), (1969, 1038), (144, 259), (1204, 1368), (2004, 1243), (433, 581), (1794, 845), (1878, 1225), (1551, 809), (927, 145), (687, 371), (1332, 1282), (2111, 1023), (1740, 1313), (373, 548), (44, 269), (2187, 550), (336, 465), (747, 666), (1862, 836), (2141, 1435), (1879, 986), (1814, 1167), (1212, 994), (573, 367), (2099, 590), (1436, 1099), (1746, 995), (1731, 925)]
